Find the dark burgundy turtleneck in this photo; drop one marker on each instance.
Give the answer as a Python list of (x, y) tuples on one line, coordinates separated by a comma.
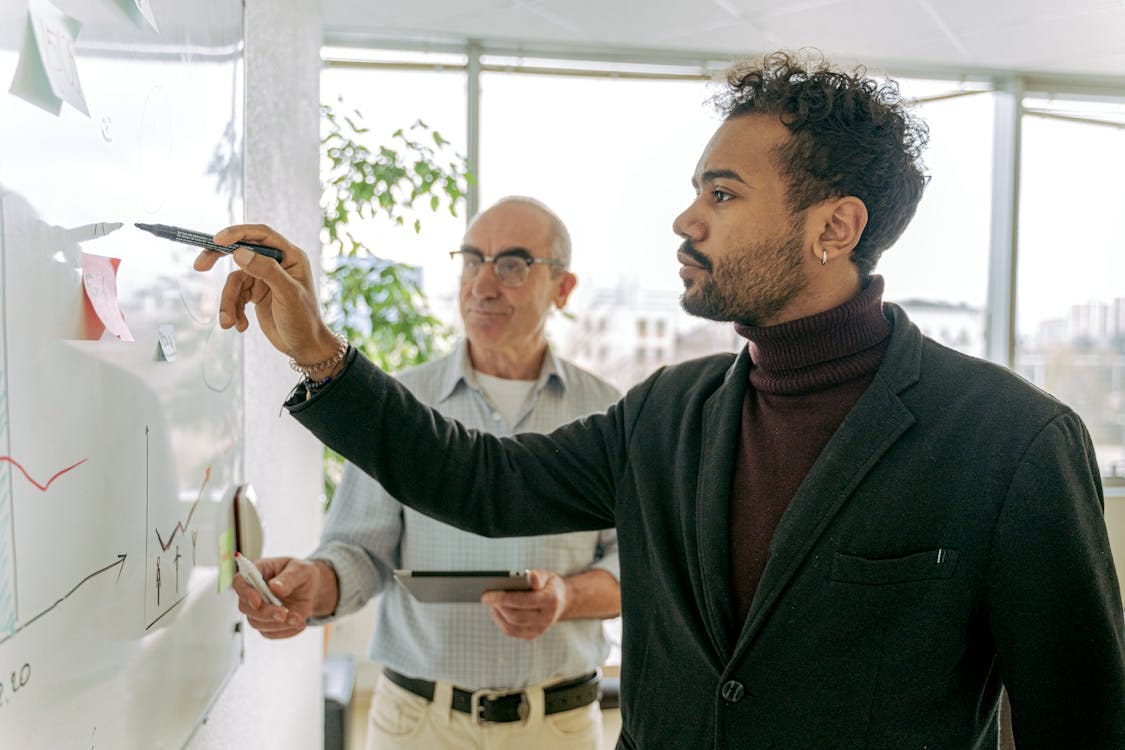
[(805, 377)]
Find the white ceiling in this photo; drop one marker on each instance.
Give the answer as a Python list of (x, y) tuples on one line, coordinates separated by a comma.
[(1085, 37)]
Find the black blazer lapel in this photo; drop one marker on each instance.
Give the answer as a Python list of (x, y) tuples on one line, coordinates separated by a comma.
[(722, 417)]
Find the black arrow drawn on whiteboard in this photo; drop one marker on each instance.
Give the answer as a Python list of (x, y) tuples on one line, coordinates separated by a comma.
[(120, 562)]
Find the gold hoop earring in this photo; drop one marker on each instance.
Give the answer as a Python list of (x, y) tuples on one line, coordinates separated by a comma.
[(823, 257)]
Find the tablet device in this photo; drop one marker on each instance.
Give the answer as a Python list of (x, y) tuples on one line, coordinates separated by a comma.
[(460, 585)]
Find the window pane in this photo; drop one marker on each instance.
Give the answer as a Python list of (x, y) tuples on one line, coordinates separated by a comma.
[(614, 158), (938, 270), (1071, 280), (389, 100)]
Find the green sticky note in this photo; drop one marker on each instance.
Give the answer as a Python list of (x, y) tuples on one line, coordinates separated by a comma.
[(226, 559)]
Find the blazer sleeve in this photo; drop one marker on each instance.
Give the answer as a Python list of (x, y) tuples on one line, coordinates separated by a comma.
[(1053, 598), (525, 485)]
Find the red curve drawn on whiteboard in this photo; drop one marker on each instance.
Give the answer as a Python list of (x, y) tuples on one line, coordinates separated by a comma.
[(42, 487)]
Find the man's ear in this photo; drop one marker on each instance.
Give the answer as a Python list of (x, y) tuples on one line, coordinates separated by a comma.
[(563, 287), (843, 222)]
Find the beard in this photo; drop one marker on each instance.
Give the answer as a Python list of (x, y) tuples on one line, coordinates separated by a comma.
[(751, 285)]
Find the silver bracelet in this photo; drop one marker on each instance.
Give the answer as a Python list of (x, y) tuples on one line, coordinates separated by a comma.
[(335, 359)]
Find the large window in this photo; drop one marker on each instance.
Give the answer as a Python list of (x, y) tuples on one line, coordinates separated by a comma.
[(612, 149), (1071, 268)]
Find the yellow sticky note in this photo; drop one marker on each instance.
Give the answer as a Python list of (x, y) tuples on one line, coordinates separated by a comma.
[(226, 559)]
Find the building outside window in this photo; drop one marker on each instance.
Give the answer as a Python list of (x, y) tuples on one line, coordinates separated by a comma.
[(1071, 281)]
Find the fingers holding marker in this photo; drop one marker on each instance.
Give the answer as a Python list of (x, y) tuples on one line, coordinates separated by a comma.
[(283, 293), (206, 260), (267, 277), (232, 304), (256, 265), (260, 234), (260, 613)]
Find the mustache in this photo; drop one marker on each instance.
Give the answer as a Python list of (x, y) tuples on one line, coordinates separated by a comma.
[(691, 251)]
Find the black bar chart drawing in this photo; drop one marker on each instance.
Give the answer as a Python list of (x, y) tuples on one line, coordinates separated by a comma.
[(181, 527), (157, 556)]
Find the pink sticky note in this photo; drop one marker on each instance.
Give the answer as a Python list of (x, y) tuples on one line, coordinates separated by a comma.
[(99, 281)]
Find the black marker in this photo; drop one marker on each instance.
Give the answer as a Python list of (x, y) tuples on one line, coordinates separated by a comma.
[(199, 239)]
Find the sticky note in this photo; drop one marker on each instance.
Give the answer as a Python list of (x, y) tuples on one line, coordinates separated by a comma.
[(47, 73), (99, 282), (166, 336), (226, 559)]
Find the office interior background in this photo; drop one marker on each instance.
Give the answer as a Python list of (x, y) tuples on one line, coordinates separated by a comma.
[(599, 109)]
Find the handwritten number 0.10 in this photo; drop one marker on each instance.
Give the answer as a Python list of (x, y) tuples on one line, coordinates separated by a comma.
[(19, 679)]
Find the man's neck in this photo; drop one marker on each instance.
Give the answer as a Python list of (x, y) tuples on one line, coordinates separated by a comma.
[(508, 364), (824, 292)]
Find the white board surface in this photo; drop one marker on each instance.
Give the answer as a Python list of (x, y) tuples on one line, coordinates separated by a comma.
[(115, 454)]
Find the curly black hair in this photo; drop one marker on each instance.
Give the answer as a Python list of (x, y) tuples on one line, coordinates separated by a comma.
[(852, 135)]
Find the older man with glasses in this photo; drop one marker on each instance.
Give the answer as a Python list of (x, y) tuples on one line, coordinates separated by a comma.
[(520, 669)]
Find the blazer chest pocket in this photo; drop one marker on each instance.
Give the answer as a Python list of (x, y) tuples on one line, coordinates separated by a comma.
[(921, 566)]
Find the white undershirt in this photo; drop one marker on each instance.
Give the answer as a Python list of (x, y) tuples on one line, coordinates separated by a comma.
[(508, 396)]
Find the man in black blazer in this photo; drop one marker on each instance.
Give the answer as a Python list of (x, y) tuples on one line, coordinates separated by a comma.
[(845, 536)]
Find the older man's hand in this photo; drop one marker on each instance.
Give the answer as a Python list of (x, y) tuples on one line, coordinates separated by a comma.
[(529, 614)]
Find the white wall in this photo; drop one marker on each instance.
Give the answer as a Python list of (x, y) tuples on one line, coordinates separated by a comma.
[(274, 699)]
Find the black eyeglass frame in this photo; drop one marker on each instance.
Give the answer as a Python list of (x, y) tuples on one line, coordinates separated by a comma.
[(514, 253)]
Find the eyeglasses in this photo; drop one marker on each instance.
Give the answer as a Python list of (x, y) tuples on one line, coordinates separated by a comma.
[(512, 266)]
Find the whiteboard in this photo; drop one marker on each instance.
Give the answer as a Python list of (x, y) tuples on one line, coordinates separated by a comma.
[(116, 455)]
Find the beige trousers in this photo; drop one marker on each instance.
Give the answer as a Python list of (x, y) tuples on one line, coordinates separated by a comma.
[(400, 720)]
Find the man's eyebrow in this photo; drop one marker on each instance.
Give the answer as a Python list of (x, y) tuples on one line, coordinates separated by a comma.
[(711, 175), (505, 251), (514, 250), (722, 174)]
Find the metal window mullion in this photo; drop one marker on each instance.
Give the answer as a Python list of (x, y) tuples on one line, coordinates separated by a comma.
[(472, 130), (1000, 333), (1080, 119)]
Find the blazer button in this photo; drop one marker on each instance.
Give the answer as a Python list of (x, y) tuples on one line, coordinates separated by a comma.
[(733, 691)]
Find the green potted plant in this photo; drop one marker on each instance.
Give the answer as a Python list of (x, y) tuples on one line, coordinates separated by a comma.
[(378, 304)]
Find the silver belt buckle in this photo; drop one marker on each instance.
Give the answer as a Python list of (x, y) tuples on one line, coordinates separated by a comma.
[(479, 695)]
